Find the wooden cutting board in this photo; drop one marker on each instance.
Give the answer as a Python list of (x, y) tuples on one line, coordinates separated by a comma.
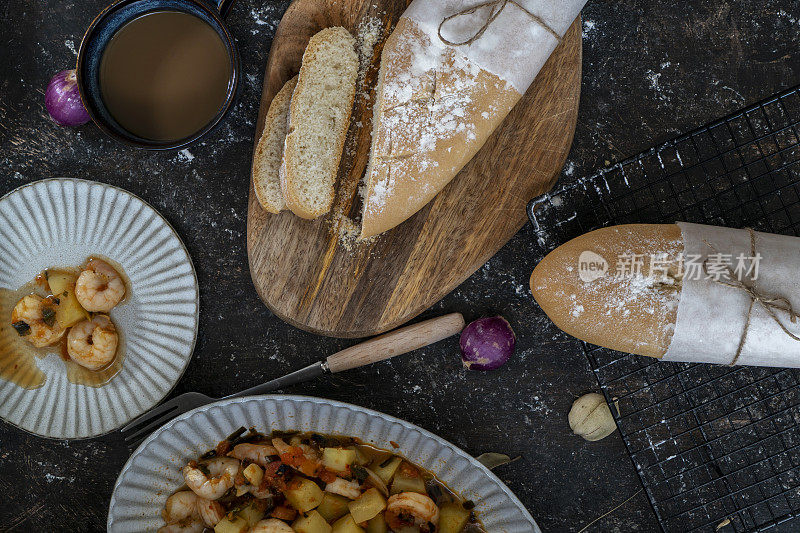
[(301, 269)]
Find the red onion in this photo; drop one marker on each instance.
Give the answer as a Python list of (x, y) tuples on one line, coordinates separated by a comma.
[(63, 101), (487, 343)]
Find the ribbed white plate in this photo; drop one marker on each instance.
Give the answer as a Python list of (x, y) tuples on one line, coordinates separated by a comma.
[(60, 222), (153, 471)]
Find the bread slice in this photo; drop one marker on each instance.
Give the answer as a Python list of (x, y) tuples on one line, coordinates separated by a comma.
[(319, 116), (269, 152)]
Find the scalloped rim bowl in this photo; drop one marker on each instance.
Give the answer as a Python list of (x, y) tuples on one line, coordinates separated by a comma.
[(153, 471)]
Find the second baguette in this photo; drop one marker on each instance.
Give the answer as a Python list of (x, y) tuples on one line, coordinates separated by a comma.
[(319, 116), (629, 313)]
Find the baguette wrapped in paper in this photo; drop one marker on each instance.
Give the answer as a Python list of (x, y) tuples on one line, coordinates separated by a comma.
[(437, 103), (680, 292)]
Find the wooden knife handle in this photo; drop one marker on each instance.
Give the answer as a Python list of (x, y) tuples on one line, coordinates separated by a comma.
[(399, 341)]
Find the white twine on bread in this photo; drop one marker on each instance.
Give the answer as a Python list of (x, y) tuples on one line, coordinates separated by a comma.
[(493, 14), (768, 302)]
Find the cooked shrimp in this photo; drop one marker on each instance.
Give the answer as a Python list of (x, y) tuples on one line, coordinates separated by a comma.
[(35, 319), (271, 525), (99, 287), (298, 458), (342, 487), (257, 492), (281, 446), (256, 453), (187, 525), (93, 343), (223, 472), (411, 509), (210, 511), (180, 505)]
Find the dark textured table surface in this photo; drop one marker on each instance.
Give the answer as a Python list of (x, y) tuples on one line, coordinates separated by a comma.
[(651, 69)]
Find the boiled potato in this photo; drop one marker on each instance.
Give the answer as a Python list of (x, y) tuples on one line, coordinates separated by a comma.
[(338, 459), (333, 506), (408, 479), (60, 281), (303, 494), (369, 504), (453, 518), (252, 513), (313, 522), (346, 524), (62, 285), (362, 458), (377, 525), (253, 474), (235, 524), (386, 472)]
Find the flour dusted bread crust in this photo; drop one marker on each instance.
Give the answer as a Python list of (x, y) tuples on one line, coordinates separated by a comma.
[(319, 116), (436, 103), (427, 124), (680, 292), (619, 310), (269, 152)]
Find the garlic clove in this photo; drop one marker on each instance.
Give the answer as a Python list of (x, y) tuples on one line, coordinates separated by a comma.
[(590, 417)]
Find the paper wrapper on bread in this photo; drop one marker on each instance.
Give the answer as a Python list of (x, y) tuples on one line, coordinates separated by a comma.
[(438, 103), (679, 292)]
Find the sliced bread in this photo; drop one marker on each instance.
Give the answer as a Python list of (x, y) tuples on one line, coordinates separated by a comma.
[(269, 152), (319, 116)]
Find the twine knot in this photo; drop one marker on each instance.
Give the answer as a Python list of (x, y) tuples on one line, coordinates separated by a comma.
[(768, 302), (496, 7)]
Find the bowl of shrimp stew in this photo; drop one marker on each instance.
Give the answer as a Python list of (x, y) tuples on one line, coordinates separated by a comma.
[(294, 464)]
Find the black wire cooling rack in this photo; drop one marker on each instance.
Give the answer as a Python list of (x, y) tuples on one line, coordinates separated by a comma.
[(717, 448)]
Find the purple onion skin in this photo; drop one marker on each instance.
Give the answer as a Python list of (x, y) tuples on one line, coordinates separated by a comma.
[(63, 101), (487, 343)]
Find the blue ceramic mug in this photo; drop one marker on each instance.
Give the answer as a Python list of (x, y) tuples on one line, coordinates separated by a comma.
[(105, 26)]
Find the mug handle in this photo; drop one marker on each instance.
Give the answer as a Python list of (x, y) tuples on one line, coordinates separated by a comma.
[(223, 6)]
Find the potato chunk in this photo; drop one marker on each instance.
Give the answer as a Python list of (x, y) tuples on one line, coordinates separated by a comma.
[(252, 513), (234, 524), (338, 459), (453, 518), (303, 494), (62, 285), (387, 468), (333, 506), (313, 522), (346, 524), (377, 525), (253, 474), (369, 504), (408, 479)]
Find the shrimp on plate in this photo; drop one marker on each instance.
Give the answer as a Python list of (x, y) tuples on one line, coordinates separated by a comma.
[(93, 343), (221, 477), (210, 511), (34, 318), (180, 513), (255, 453), (410, 509), (99, 287)]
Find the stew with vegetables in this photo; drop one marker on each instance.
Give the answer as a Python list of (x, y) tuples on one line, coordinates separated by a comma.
[(311, 483)]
